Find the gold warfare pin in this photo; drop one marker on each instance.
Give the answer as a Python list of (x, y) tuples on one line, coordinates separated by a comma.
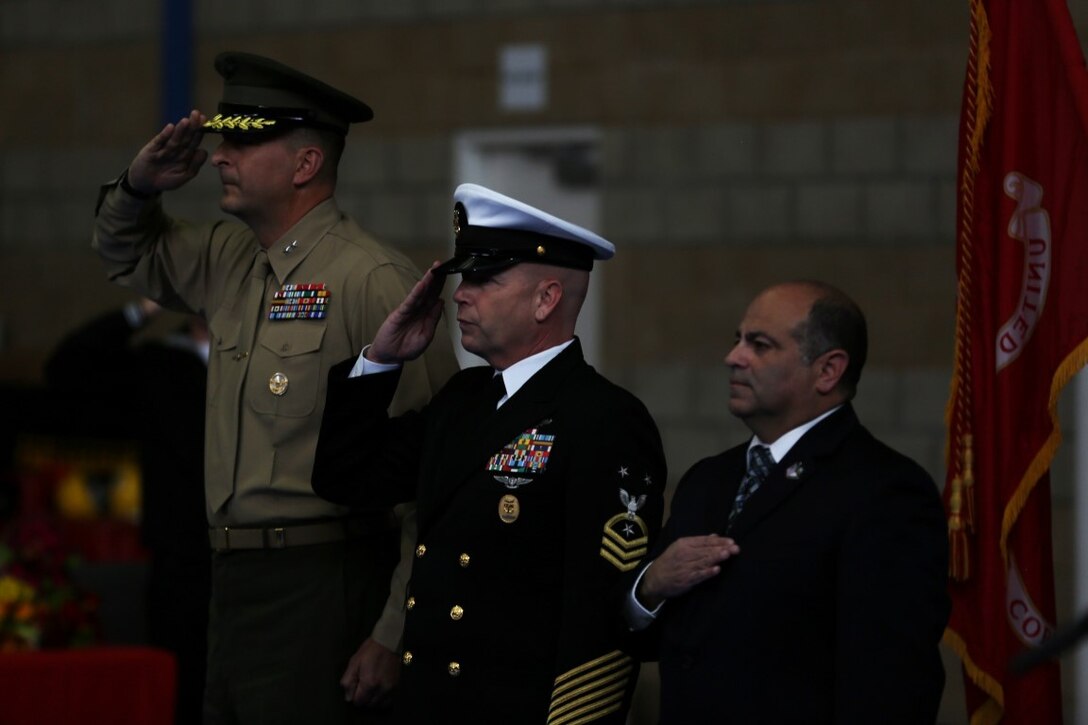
[(509, 509)]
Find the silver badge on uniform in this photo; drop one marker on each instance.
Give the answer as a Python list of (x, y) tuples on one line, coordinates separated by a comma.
[(278, 383)]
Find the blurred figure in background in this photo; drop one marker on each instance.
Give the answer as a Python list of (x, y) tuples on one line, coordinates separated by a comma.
[(159, 385)]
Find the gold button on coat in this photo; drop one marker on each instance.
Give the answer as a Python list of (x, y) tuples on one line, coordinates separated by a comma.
[(407, 658), (411, 602), (420, 551), (278, 383), (464, 560), (455, 669), (457, 612)]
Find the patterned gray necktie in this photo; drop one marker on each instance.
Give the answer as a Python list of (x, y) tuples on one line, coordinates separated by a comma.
[(759, 465)]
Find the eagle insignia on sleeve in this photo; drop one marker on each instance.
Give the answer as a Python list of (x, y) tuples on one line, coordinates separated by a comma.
[(625, 537)]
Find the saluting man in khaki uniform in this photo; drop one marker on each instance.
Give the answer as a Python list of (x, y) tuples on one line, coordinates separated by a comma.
[(297, 286)]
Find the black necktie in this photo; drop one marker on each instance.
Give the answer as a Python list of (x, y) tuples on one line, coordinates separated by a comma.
[(496, 390), (759, 465)]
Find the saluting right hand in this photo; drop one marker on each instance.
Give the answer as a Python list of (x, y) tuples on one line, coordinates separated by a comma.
[(409, 329), (170, 159)]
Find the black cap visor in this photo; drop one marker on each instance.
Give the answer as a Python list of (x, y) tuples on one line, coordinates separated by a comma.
[(483, 261)]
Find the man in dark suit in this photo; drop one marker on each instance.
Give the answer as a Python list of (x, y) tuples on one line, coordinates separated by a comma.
[(801, 576), (538, 483)]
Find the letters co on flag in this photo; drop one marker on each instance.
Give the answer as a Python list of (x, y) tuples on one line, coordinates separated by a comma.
[(1021, 334)]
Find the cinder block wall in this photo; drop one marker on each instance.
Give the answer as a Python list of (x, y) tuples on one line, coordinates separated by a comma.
[(743, 142)]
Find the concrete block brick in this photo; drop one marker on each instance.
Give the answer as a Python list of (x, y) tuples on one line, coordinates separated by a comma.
[(900, 209), (509, 6), (616, 155), (712, 395), (725, 150), (925, 449), (385, 10), (394, 216), (924, 398), (449, 8), (695, 214), (23, 170), (666, 390), (664, 156), (135, 18), (32, 223), (213, 17), (796, 149), (10, 235), (15, 21), (366, 161), (760, 212), (326, 12), (633, 215), (420, 160), (945, 230), (575, 4), (930, 144), (829, 209), (72, 221), (878, 399), (863, 146)]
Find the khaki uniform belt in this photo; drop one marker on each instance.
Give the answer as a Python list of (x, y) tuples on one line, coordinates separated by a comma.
[(227, 538)]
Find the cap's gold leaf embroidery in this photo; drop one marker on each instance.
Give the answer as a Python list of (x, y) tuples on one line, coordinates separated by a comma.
[(238, 123)]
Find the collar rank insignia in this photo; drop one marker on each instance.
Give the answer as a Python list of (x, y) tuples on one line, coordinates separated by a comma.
[(528, 453), (300, 302), (795, 471), (625, 537)]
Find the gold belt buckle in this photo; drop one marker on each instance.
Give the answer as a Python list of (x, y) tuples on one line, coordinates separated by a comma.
[(279, 538)]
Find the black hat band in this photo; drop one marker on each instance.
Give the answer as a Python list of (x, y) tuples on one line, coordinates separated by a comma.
[(523, 246)]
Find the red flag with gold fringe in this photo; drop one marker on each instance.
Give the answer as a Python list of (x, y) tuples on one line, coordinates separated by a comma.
[(1021, 334)]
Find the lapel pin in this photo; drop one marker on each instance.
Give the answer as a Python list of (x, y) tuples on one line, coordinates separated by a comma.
[(795, 471)]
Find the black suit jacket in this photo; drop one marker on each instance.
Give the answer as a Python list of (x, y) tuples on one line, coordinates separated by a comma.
[(528, 518), (832, 611)]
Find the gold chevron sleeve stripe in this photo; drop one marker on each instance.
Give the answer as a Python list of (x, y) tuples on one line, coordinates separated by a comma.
[(602, 660), (596, 716), (598, 688), (602, 706), (623, 553), (640, 541), (580, 683), (607, 556)]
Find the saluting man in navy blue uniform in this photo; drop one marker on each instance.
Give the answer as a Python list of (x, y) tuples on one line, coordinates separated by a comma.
[(538, 482)]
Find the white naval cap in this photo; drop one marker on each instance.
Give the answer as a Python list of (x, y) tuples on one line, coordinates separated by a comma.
[(495, 232)]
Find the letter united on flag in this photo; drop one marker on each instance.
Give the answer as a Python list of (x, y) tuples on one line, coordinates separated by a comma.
[(1021, 334)]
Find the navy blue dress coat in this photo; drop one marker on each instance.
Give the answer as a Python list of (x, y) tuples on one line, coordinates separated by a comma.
[(529, 518)]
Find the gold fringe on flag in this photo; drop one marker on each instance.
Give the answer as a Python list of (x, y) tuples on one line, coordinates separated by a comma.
[(992, 709), (959, 565), (968, 472), (978, 107)]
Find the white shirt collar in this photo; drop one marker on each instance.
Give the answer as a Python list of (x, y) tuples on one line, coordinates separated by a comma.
[(519, 373), (786, 441)]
